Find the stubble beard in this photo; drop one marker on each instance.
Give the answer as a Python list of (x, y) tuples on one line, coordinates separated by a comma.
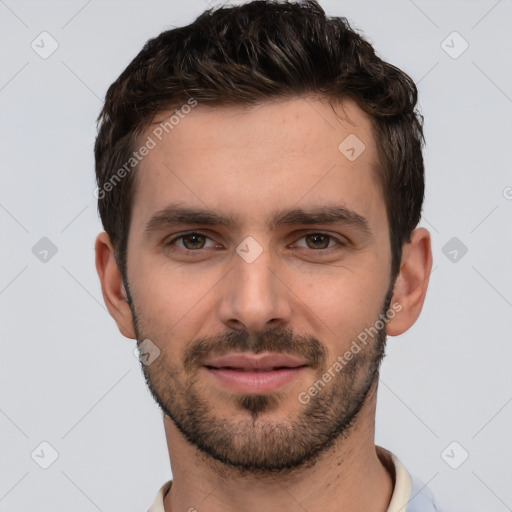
[(258, 445)]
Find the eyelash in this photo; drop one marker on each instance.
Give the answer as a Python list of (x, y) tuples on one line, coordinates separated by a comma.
[(191, 252)]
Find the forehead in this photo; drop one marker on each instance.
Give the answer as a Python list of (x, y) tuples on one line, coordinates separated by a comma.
[(252, 161)]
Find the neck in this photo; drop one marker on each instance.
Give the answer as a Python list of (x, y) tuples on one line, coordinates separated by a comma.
[(339, 479)]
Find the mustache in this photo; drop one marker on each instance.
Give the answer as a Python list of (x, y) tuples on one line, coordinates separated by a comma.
[(279, 340)]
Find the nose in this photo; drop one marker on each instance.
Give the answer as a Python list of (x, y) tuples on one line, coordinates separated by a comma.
[(255, 295)]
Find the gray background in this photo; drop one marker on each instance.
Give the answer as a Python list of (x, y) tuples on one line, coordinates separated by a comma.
[(68, 378)]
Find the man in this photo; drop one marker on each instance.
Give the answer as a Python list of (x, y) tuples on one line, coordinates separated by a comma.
[(260, 180)]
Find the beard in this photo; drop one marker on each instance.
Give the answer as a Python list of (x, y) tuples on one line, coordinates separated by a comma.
[(257, 444)]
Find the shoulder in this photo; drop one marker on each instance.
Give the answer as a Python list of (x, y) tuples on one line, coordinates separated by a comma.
[(421, 498)]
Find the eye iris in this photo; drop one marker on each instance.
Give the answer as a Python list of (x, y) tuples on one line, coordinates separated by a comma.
[(318, 238), (195, 239)]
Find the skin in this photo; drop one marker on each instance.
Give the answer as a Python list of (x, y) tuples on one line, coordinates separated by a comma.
[(250, 163)]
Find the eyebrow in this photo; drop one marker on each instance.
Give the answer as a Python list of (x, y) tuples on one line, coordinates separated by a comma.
[(176, 214)]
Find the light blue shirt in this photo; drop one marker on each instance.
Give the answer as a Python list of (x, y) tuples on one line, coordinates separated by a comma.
[(421, 499)]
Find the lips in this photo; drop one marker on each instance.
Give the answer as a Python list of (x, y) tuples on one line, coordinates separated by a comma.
[(254, 373), (254, 362)]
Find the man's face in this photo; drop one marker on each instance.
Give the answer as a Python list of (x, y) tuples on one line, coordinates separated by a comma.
[(274, 281)]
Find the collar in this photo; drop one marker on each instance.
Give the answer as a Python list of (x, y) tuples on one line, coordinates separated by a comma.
[(401, 479)]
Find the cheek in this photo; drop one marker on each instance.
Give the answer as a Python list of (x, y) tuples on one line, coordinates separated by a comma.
[(351, 288), (345, 305), (170, 298)]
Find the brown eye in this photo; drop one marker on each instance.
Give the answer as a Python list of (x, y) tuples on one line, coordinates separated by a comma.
[(193, 241), (190, 242), (317, 241)]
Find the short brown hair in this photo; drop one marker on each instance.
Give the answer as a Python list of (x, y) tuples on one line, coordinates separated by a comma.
[(242, 55)]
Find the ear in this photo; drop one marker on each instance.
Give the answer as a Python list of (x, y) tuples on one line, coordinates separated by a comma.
[(412, 282), (112, 287)]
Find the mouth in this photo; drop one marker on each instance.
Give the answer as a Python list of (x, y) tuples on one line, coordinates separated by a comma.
[(254, 370), (253, 373)]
